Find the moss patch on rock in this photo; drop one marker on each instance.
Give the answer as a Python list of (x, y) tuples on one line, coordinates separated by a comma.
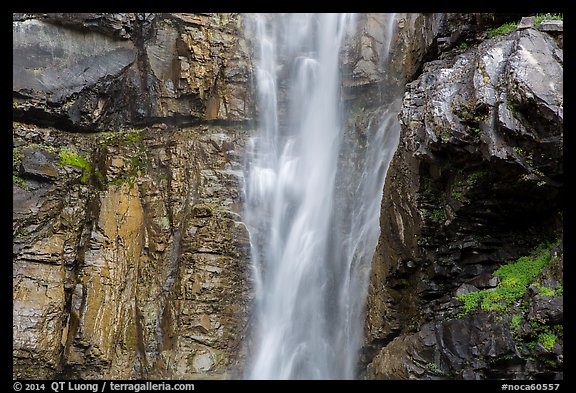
[(70, 157), (516, 278)]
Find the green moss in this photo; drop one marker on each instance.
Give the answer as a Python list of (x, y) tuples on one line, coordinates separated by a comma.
[(547, 340), (515, 279), (438, 216), (131, 135), (19, 182), (472, 115), (516, 322), (475, 177), (16, 157), (504, 29), (70, 157), (470, 300), (434, 369), (531, 345), (462, 46), (475, 134), (457, 195), (560, 290), (510, 105), (544, 291), (443, 133), (134, 171)]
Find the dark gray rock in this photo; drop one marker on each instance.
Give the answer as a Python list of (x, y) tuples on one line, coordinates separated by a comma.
[(53, 63), (526, 22), (476, 182), (551, 26), (464, 289), (39, 163), (98, 71), (547, 309), (118, 25)]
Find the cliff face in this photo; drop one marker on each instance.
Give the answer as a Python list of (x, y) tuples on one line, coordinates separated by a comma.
[(476, 183), (130, 258)]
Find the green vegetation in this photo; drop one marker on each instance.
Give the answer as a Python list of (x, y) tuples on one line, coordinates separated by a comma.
[(472, 116), (547, 340), (545, 291), (19, 182), (507, 28), (540, 17), (504, 29), (70, 157), (516, 278), (475, 177), (457, 195), (516, 322), (463, 45), (542, 333), (434, 369), (16, 157), (443, 133), (135, 169), (120, 138), (438, 216), (475, 134), (469, 114)]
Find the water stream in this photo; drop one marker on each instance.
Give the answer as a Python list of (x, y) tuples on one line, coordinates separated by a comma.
[(313, 198)]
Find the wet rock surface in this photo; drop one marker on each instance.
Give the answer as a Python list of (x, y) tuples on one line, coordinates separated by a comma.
[(475, 183)]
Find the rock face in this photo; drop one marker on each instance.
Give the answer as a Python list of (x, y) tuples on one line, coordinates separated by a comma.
[(476, 182), (95, 72), (135, 266), (130, 259)]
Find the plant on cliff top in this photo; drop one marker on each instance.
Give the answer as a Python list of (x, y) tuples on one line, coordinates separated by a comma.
[(516, 277), (504, 29), (540, 17)]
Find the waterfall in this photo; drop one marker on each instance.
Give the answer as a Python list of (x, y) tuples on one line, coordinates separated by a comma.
[(312, 201)]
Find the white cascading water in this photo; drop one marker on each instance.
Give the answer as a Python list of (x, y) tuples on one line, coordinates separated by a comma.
[(312, 201)]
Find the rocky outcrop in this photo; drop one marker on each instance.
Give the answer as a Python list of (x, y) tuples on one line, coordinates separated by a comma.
[(95, 72), (130, 258), (476, 182), (124, 246)]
